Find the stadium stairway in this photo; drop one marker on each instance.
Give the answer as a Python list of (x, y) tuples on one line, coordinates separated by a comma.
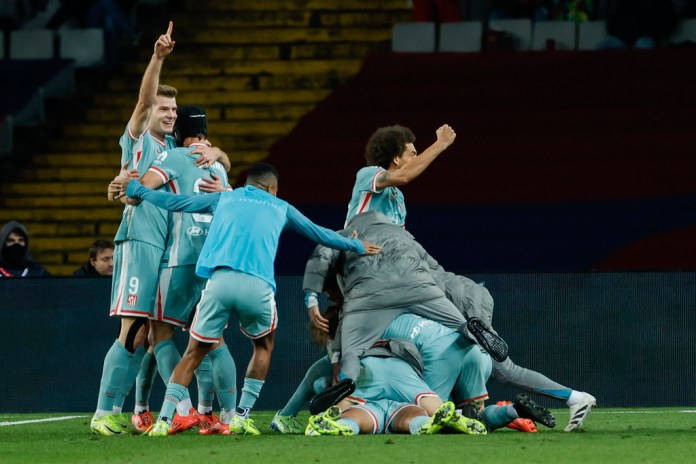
[(257, 67)]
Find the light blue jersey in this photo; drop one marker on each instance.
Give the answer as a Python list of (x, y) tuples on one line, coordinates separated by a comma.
[(246, 227), (145, 223), (187, 231), (366, 197)]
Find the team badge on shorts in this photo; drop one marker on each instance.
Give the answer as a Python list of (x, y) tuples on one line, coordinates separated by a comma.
[(132, 300)]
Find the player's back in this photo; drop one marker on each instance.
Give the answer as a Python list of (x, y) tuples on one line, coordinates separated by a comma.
[(187, 232)]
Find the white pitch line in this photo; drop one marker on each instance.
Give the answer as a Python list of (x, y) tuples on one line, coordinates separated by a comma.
[(33, 421), (685, 411)]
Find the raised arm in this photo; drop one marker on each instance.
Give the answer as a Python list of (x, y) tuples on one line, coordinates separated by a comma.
[(140, 118), (172, 202), (445, 136)]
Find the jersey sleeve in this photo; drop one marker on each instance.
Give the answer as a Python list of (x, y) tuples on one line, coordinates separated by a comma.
[(366, 179), (164, 166), (173, 202), (303, 226)]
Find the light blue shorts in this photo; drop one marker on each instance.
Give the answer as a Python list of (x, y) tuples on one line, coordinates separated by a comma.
[(179, 291), (389, 379), (233, 292), (382, 413), (135, 282)]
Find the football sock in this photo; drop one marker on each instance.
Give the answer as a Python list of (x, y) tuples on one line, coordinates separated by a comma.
[(224, 375), (350, 423), (575, 397), (250, 392), (114, 370), (144, 382), (499, 416), (174, 394), (206, 390), (416, 423), (129, 379), (306, 389)]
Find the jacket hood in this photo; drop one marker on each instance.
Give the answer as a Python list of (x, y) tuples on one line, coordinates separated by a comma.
[(5, 232)]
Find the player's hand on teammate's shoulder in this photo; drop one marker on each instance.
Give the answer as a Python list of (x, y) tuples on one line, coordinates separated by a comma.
[(370, 248), (212, 185), (117, 187), (165, 44), (445, 135)]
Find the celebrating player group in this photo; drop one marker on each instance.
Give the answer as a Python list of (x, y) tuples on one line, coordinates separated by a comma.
[(409, 346)]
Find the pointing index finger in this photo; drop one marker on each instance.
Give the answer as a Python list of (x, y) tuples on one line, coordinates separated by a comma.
[(170, 28)]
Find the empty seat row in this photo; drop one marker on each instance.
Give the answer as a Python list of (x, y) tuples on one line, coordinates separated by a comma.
[(523, 33), (85, 46)]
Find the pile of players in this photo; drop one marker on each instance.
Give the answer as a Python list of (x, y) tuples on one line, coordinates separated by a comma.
[(411, 351)]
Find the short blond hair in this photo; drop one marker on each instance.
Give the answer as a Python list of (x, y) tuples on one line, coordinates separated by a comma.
[(166, 91)]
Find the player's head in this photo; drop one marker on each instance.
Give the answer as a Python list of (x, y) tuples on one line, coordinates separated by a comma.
[(164, 116), (101, 257), (263, 176), (391, 145), (191, 123)]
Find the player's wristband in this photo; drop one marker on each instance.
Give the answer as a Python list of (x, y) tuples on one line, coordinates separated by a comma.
[(311, 299)]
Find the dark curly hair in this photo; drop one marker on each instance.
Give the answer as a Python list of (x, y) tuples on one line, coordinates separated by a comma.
[(386, 144)]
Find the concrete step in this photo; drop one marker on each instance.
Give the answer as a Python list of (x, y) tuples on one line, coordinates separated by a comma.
[(215, 127), (302, 19), (74, 173), (110, 145), (35, 189), (272, 35), (100, 159), (290, 81), (228, 66), (107, 213), (63, 229), (249, 113), (336, 50), (269, 97), (302, 5)]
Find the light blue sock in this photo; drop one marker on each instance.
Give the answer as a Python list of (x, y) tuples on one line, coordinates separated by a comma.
[(224, 377), (416, 423), (499, 416), (250, 393), (306, 390), (172, 396), (167, 358), (144, 382), (114, 371), (129, 379), (206, 390), (350, 423)]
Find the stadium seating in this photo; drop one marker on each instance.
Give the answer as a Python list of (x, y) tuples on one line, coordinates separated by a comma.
[(414, 37), (461, 37), (591, 34), (85, 46), (558, 35), (33, 44), (520, 30)]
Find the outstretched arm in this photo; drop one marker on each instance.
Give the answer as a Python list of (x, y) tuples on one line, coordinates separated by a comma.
[(303, 226), (172, 202), (140, 119), (445, 136)]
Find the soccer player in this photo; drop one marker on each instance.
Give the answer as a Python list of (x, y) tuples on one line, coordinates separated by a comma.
[(392, 161), (237, 259), (179, 287)]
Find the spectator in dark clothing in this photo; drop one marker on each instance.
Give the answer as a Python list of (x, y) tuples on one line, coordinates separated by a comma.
[(100, 262), (15, 260)]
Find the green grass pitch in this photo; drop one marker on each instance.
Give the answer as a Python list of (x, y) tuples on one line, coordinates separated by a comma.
[(663, 435)]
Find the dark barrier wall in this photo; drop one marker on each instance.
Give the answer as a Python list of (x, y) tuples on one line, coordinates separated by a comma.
[(625, 337)]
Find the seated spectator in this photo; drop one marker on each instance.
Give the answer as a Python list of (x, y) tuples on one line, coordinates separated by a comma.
[(15, 260), (100, 262)]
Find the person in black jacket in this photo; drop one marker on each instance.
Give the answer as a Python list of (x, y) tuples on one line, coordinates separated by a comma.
[(100, 262), (15, 260)]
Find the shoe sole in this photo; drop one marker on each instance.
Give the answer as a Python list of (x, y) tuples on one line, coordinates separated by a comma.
[(331, 396), (528, 409)]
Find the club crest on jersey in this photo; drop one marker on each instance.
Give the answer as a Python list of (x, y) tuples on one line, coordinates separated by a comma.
[(194, 231), (132, 300), (161, 156)]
